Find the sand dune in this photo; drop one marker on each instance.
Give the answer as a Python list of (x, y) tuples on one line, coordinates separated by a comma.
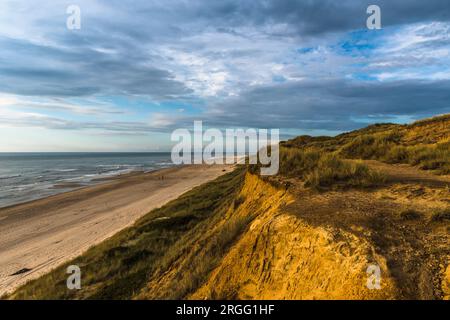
[(37, 236)]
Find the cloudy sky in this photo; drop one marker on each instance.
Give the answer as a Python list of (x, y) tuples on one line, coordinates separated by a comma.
[(136, 70)]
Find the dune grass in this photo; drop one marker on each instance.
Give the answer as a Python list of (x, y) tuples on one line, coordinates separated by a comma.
[(371, 146), (322, 170), (427, 157), (441, 216), (199, 255), (331, 171), (387, 147), (425, 144)]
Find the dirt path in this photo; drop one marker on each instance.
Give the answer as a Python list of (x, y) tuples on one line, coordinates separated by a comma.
[(37, 236), (407, 174)]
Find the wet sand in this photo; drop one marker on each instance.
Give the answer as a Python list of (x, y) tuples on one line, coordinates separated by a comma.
[(37, 236)]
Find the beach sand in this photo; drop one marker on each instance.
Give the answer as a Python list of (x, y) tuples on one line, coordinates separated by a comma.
[(37, 236)]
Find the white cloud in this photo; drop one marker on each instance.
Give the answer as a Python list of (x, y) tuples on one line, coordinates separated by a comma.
[(92, 107)]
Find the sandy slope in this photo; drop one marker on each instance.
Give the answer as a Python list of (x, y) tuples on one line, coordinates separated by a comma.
[(318, 245), (42, 234)]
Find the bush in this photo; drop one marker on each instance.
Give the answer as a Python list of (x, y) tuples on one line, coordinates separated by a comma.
[(322, 170), (386, 147), (295, 162), (427, 157), (238, 201), (410, 214), (332, 171), (441, 216), (374, 146), (397, 154)]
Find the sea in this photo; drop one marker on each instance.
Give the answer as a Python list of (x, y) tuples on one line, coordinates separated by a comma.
[(30, 176)]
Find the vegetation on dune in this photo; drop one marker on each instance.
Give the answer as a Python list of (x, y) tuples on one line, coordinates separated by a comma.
[(321, 170), (370, 146), (200, 254), (332, 144), (333, 171), (425, 144), (427, 157), (329, 162), (440, 216), (387, 147), (410, 214)]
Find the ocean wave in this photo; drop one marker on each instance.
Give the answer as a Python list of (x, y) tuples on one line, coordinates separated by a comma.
[(27, 186), (117, 172), (120, 165), (91, 175), (108, 165), (164, 163), (10, 177)]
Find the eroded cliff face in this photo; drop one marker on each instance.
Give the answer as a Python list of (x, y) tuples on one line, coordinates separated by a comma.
[(209, 248), (280, 256), (295, 243), (446, 284)]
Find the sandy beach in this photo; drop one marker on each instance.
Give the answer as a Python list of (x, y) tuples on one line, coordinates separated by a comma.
[(37, 236)]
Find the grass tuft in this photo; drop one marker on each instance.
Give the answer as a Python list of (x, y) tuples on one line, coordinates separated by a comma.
[(441, 216), (410, 214), (321, 170)]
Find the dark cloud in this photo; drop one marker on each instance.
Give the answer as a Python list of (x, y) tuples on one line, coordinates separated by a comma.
[(309, 17), (335, 105), (80, 71)]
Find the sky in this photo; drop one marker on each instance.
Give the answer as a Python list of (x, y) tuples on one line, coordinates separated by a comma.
[(137, 70)]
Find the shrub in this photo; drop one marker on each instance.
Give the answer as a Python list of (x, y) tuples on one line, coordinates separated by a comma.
[(374, 146), (397, 154), (332, 171), (441, 216), (410, 214), (295, 162), (322, 170), (430, 157), (386, 147), (238, 201)]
